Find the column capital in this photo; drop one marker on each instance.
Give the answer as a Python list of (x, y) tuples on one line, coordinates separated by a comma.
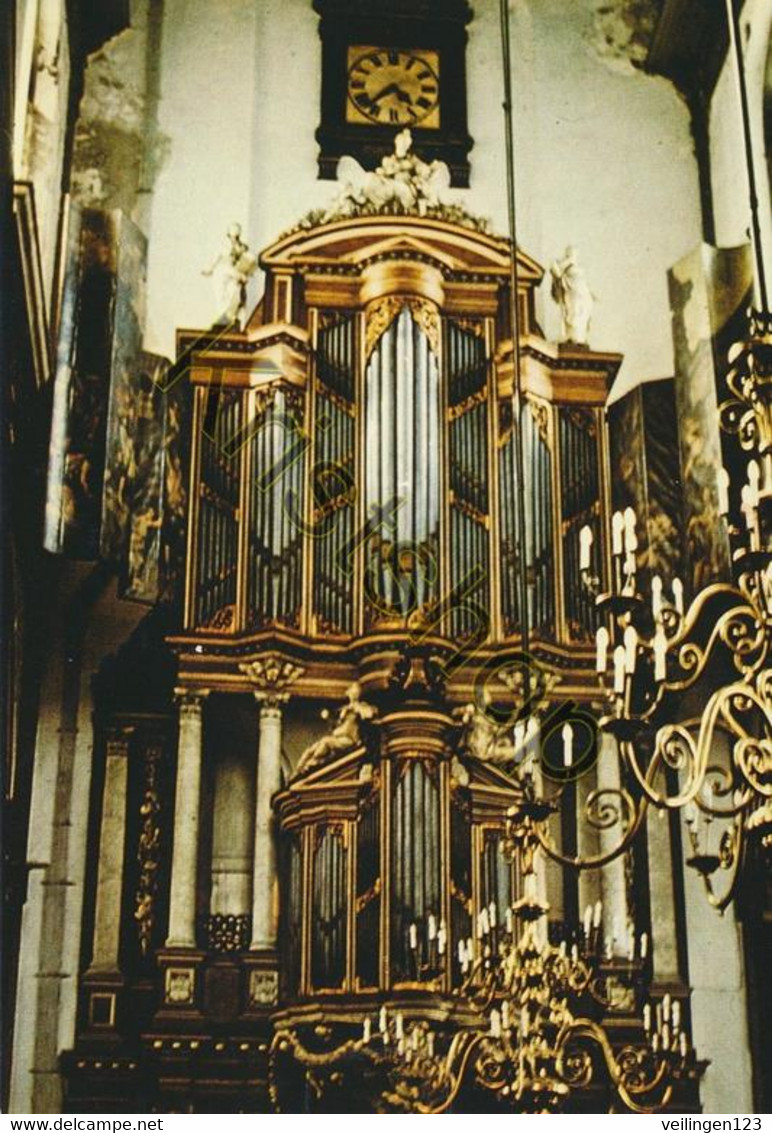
[(190, 700), (272, 676), (271, 703), (117, 739)]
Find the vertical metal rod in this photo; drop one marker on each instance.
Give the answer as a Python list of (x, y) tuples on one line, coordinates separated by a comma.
[(517, 395), (733, 21)]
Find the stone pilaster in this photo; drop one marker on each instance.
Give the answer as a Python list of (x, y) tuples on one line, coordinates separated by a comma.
[(112, 837)]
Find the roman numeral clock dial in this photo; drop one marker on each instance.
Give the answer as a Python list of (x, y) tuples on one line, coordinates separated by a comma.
[(393, 87)]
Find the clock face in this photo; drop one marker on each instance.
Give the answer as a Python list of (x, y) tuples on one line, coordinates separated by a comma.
[(391, 87)]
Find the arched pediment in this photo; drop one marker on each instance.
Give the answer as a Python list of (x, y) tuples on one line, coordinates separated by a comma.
[(348, 245)]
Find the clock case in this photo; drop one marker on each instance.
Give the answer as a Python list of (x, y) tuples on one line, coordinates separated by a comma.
[(407, 25)]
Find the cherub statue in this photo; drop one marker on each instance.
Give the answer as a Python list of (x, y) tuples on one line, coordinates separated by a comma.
[(481, 737), (231, 271), (572, 293), (346, 734)]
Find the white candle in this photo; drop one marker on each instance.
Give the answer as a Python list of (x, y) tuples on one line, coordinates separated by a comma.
[(644, 945), (585, 547), (505, 1015), (597, 916), (413, 936), (432, 926), (470, 951), (683, 1044), (754, 477), (629, 569), (400, 1026), (630, 536), (495, 1024), (442, 937), (678, 595), (656, 597), (492, 914), (587, 922), (660, 654), (666, 1006), (619, 669), (676, 1014), (367, 1029), (722, 485), (508, 920), (647, 1016), (617, 533), (601, 649), (461, 952), (567, 733), (519, 735), (430, 1043), (631, 648), (382, 1020)]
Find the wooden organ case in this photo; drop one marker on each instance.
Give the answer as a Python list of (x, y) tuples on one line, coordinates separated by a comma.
[(352, 523)]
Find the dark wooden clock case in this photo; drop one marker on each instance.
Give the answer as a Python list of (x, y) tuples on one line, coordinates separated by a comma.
[(438, 25)]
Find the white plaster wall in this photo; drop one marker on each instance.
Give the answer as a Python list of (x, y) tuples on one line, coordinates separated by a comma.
[(206, 109), (605, 162), (727, 156), (604, 158)]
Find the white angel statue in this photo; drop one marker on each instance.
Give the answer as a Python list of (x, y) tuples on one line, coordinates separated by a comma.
[(230, 272)]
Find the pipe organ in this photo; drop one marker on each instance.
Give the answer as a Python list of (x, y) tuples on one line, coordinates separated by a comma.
[(352, 533), (354, 466)]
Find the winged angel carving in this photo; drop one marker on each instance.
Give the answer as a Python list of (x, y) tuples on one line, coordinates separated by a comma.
[(402, 180)]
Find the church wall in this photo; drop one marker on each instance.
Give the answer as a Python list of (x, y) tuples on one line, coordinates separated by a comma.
[(91, 625), (40, 118), (240, 104), (727, 154)]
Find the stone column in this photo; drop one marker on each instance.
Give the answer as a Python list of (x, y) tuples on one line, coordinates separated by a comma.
[(112, 837), (612, 880), (264, 924), (182, 903), (272, 675)]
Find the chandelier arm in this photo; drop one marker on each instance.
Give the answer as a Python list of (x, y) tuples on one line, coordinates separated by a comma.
[(737, 848), (690, 653), (636, 810), (698, 754), (587, 1029), (456, 1082)]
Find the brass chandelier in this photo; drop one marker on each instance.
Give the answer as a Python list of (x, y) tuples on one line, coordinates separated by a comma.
[(526, 1023)]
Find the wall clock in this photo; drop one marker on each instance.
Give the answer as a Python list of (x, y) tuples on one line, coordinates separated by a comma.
[(394, 87), (387, 64)]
